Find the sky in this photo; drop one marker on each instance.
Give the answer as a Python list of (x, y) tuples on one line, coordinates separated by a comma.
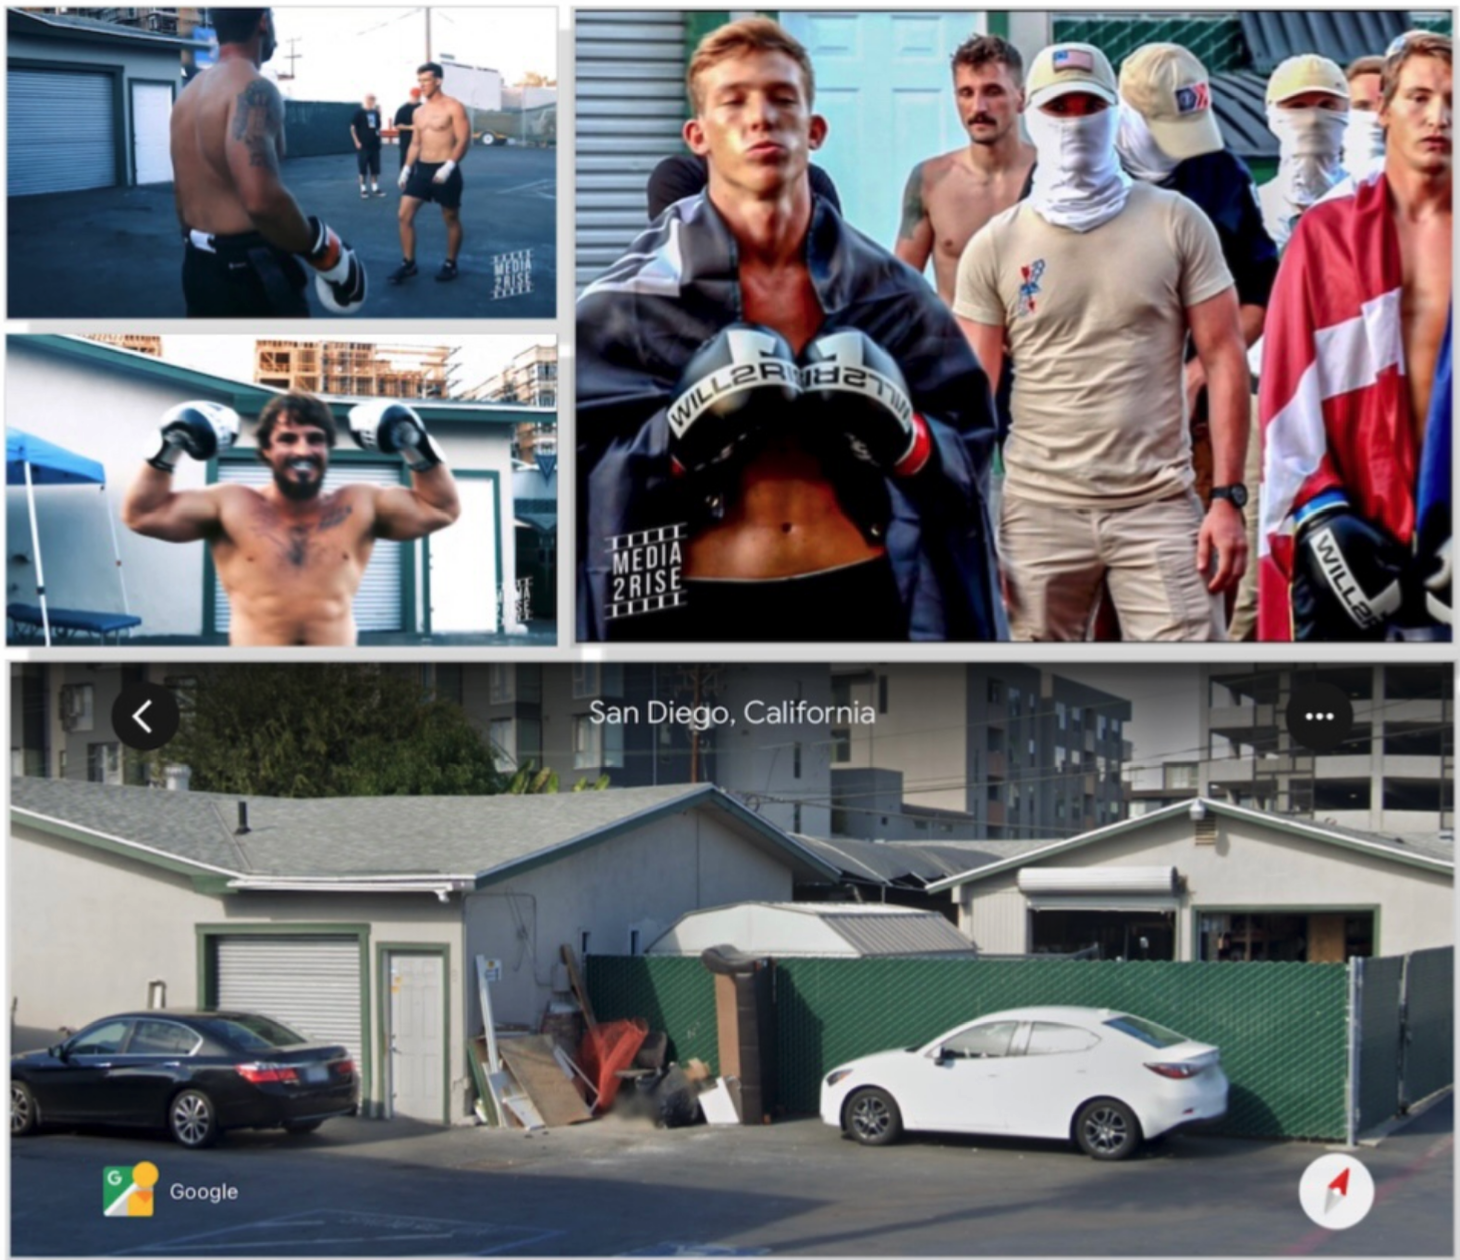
[(231, 355), (344, 53)]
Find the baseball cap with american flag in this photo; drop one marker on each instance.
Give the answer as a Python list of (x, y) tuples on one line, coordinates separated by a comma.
[(1064, 68)]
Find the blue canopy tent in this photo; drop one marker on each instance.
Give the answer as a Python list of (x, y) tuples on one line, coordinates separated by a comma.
[(30, 462)]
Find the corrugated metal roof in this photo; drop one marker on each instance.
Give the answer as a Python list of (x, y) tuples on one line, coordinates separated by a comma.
[(1239, 99), (26, 23), (883, 935), (913, 861), (1274, 35)]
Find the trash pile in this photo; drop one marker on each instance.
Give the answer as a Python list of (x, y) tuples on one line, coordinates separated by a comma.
[(573, 1068)]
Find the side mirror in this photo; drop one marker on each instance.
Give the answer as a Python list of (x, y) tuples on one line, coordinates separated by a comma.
[(58, 1051)]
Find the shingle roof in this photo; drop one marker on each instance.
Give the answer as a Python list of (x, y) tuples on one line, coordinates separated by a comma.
[(481, 837), (1273, 35)]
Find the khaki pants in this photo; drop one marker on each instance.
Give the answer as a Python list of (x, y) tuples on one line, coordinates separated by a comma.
[(1055, 559)]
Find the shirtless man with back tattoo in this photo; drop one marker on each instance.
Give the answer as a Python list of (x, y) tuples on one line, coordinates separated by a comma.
[(291, 556)]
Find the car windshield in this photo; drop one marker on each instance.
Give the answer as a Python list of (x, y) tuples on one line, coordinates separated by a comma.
[(1144, 1030), (257, 1032)]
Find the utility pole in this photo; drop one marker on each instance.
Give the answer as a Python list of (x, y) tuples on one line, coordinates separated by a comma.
[(292, 57), (427, 12)]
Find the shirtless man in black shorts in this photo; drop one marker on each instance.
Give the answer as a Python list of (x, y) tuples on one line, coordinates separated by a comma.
[(440, 139), (241, 226)]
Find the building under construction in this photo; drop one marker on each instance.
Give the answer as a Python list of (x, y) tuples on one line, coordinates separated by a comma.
[(354, 368), (142, 343)]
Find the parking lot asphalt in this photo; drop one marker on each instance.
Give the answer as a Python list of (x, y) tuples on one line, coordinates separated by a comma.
[(615, 1187), (116, 253)]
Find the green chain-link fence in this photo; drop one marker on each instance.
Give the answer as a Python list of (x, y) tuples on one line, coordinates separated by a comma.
[(1217, 42), (1281, 1027)]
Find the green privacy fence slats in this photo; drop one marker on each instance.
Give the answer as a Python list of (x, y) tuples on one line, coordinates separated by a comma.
[(1429, 1055), (1218, 44), (676, 996), (1282, 1027), (1378, 1040)]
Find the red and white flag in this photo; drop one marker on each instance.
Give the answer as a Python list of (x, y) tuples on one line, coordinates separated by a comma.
[(1333, 403)]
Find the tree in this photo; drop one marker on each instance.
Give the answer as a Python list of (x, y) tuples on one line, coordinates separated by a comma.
[(532, 781), (327, 730)]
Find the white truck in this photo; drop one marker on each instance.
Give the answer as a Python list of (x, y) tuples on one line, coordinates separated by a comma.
[(476, 87)]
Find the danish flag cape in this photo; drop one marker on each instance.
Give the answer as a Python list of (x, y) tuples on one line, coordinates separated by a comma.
[(1333, 401)]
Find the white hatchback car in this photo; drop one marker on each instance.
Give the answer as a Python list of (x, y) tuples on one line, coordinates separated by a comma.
[(1105, 1079)]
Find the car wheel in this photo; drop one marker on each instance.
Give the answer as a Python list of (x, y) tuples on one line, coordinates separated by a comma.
[(192, 1120), (488, 138), (301, 1126), (873, 1118), (1106, 1129), (24, 1115)]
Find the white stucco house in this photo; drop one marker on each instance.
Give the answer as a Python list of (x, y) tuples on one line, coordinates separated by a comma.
[(1207, 880), (105, 403), (359, 919)]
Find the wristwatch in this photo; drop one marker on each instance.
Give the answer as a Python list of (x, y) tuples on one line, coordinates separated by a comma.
[(1236, 494)]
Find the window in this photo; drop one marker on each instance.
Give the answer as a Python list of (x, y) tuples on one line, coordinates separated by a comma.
[(613, 745), (258, 1032), (587, 680), (78, 707), (103, 763), (1144, 1030), (587, 753), (1179, 776), (996, 691), (102, 1039), (158, 1036), (996, 739), (984, 1041), (796, 760), (501, 683), (1059, 1039), (504, 745), (1060, 714)]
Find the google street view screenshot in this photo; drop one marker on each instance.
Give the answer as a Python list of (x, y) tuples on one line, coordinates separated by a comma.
[(387, 878)]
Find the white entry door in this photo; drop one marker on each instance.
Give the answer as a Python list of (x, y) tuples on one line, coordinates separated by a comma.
[(884, 83), (464, 575), (151, 108), (417, 1037)]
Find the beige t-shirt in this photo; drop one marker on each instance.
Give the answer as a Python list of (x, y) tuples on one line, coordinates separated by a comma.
[(1096, 327)]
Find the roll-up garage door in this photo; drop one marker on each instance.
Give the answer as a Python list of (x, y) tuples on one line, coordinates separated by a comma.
[(311, 983), (630, 107), (378, 601), (62, 131)]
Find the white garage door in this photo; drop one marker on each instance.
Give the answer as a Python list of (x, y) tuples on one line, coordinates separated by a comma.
[(885, 85), (62, 131), (151, 144), (630, 109), (378, 601), (311, 983)]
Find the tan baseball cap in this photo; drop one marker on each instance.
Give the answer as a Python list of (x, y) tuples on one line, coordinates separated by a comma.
[(1308, 73), (1064, 68), (1169, 88)]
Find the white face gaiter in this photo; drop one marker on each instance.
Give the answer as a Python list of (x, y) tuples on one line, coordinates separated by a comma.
[(1309, 143), (1137, 148), (1363, 143), (1078, 183)]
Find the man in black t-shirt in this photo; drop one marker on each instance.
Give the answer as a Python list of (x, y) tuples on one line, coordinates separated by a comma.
[(365, 130), (405, 125)]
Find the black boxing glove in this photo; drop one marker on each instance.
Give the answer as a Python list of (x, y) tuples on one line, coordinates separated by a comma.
[(739, 382), (201, 429), (392, 428), (1347, 573), (856, 386), (1438, 602), (339, 282)]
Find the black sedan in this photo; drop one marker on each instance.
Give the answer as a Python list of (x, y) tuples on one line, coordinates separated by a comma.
[(194, 1073)]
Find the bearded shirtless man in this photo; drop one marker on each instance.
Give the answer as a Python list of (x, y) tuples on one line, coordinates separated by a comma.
[(241, 226), (780, 396), (948, 198), (291, 556), (440, 138)]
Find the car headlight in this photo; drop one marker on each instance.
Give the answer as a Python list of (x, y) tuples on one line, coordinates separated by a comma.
[(840, 1074)]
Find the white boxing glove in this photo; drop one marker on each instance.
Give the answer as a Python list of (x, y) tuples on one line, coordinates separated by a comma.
[(203, 430), (392, 428)]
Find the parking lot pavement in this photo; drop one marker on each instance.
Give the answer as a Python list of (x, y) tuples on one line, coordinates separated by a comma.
[(367, 1188), (116, 252)]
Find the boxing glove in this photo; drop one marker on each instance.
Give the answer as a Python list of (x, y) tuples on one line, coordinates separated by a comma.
[(392, 428), (441, 176), (1437, 586), (340, 282), (1347, 573), (853, 386), (201, 429), (739, 382)]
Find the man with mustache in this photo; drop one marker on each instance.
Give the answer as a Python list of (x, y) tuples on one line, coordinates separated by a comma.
[(949, 197), (1356, 393), (291, 556)]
